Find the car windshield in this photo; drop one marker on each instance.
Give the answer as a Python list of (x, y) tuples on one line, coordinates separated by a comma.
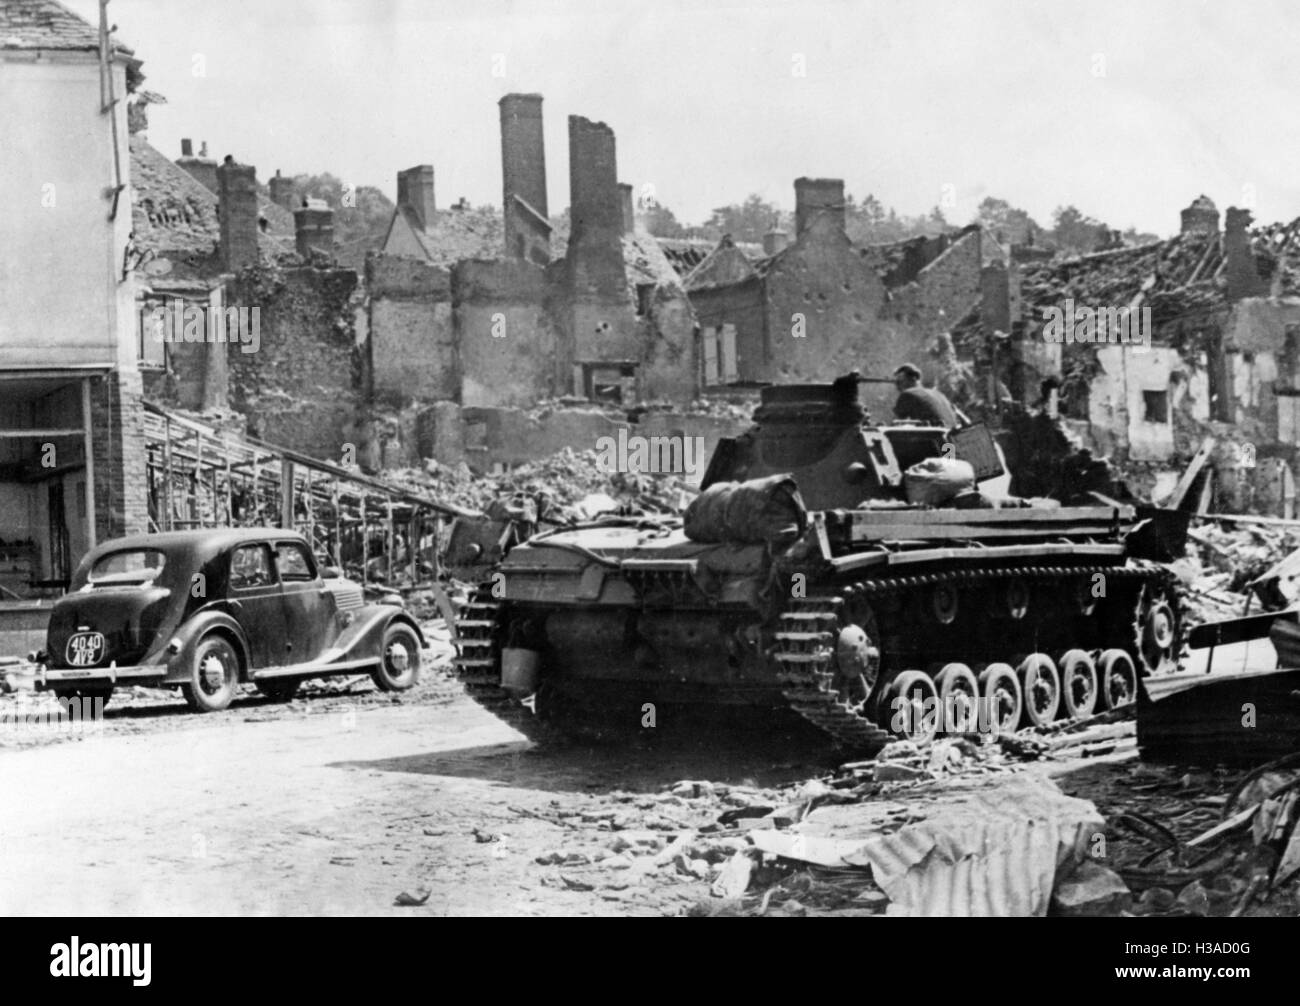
[(137, 565)]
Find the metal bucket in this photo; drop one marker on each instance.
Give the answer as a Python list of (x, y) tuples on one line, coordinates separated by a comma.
[(520, 670)]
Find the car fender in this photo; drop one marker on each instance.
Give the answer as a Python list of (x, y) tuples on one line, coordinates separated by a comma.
[(197, 626), (364, 636)]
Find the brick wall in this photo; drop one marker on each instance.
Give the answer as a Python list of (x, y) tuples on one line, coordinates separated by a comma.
[(121, 484)]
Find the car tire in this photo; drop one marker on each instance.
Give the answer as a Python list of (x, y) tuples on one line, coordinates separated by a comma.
[(214, 675), (279, 689), (399, 659)]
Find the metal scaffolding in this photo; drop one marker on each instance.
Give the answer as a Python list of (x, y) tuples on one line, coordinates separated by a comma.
[(200, 476)]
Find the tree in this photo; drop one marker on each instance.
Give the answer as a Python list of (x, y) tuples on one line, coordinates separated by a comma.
[(748, 221), (361, 212), (1008, 223), (1072, 231), (661, 222)]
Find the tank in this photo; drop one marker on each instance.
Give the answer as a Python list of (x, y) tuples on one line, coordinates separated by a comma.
[(803, 577)]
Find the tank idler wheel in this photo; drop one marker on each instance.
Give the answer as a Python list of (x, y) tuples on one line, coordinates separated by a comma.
[(1118, 679), (1078, 683), (1000, 689), (1157, 632), (913, 707), (1042, 688), (857, 664), (959, 694)]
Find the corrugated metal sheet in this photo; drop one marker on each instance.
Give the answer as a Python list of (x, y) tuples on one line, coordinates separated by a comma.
[(989, 847)]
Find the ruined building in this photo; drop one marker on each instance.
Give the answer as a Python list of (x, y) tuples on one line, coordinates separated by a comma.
[(463, 314), (815, 305), (1224, 320)]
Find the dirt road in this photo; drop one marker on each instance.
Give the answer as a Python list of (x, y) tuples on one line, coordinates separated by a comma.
[(338, 804), (348, 800)]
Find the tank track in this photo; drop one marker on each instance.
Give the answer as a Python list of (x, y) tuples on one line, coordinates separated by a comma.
[(805, 639), (478, 665)]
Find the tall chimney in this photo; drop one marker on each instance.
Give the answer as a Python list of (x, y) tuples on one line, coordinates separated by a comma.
[(1201, 217), (281, 190), (313, 228), (1240, 270), (625, 201), (523, 178), (774, 240), (237, 184), (595, 241), (815, 198), (201, 168), (415, 192)]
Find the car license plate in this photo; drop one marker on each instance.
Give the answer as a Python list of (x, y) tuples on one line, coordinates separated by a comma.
[(85, 648)]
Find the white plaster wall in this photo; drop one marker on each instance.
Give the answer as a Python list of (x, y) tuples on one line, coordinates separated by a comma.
[(62, 301)]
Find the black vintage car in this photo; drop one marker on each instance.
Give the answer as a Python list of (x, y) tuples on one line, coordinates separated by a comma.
[(209, 609)]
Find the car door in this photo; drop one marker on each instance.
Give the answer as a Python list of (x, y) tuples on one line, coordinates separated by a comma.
[(253, 594), (310, 626)]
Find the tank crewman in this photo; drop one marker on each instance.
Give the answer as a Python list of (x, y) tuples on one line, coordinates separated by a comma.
[(929, 405)]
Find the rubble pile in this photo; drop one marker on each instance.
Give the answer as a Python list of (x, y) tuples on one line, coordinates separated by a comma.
[(1223, 558), (565, 479), (760, 851), (1193, 841)]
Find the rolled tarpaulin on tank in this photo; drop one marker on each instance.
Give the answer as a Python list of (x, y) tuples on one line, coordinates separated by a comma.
[(935, 481), (755, 511)]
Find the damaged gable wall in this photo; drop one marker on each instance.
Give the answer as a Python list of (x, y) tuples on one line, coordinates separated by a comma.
[(504, 336), (302, 388), (410, 348)]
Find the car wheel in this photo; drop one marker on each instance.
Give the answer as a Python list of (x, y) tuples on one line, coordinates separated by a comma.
[(279, 689), (214, 675), (399, 665)]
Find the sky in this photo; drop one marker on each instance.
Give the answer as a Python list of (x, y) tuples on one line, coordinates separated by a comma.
[(1126, 109)]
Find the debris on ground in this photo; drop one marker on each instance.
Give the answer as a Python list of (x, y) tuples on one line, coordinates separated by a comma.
[(564, 480), (1198, 841)]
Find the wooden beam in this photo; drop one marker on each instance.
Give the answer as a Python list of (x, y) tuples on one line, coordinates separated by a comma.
[(49, 431), (88, 447)]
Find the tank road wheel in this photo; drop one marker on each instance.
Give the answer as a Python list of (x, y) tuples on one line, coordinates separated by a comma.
[(1078, 683), (1157, 631), (1000, 689), (1118, 679), (1042, 687), (214, 675), (913, 707), (959, 694), (399, 666)]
